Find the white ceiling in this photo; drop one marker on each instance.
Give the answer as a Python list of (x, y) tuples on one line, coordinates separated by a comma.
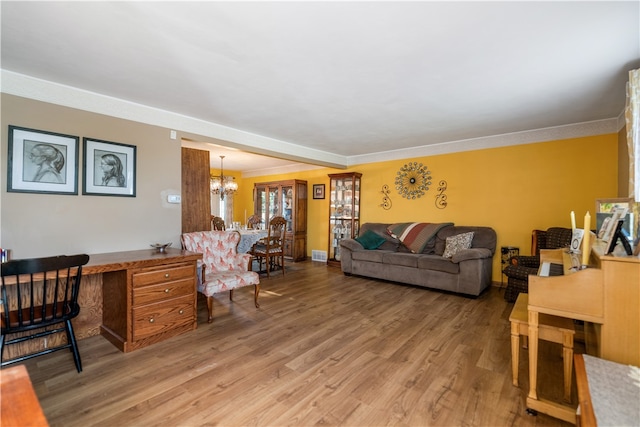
[(333, 81)]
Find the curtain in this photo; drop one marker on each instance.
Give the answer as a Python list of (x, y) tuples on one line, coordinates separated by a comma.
[(228, 209), (632, 117)]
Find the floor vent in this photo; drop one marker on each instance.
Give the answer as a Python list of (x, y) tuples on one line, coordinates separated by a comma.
[(319, 256)]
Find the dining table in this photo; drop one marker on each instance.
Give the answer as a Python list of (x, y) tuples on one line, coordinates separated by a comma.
[(248, 238)]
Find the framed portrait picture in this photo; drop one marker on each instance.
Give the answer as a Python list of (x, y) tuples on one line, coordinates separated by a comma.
[(109, 168), (318, 191), (42, 162)]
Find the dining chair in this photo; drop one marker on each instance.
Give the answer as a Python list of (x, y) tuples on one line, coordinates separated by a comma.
[(271, 248), (223, 268), (38, 294), (253, 222), (217, 223)]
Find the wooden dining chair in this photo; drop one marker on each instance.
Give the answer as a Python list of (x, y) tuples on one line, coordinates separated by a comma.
[(253, 222), (39, 294), (217, 223), (271, 248)]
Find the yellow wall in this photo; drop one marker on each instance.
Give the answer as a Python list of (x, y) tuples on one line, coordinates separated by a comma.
[(512, 189)]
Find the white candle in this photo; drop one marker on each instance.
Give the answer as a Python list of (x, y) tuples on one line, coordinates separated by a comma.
[(586, 245), (573, 221)]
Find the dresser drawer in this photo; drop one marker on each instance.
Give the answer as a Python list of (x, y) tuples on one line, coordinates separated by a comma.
[(162, 274), (153, 319), (163, 291)]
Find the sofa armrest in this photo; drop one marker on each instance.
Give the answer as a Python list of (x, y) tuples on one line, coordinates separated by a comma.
[(347, 246), (243, 261), (525, 261), (473, 253), (519, 272), (351, 244)]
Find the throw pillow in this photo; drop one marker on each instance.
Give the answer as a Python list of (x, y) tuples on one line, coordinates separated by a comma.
[(370, 240), (457, 243), (416, 235)]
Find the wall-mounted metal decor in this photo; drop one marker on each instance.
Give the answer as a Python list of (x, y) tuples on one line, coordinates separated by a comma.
[(412, 180), (386, 201), (441, 198)]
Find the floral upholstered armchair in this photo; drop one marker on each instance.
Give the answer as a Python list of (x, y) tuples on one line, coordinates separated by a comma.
[(521, 266), (223, 268)]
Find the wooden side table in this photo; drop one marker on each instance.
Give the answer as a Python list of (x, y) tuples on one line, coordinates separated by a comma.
[(20, 406), (551, 328)]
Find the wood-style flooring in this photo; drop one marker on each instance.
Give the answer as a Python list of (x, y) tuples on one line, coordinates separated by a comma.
[(323, 349)]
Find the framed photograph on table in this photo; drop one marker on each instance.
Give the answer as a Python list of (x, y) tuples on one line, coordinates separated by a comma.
[(109, 168), (42, 162), (318, 191)]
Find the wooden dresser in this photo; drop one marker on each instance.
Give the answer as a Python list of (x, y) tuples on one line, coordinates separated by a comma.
[(147, 296)]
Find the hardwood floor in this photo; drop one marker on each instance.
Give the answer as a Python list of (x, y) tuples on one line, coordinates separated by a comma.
[(323, 349)]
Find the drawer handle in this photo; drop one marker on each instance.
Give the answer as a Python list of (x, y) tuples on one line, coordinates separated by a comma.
[(152, 320), (166, 291), (166, 275), (181, 311)]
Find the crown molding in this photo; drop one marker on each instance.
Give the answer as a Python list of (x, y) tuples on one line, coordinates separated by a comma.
[(68, 96), (577, 130), (45, 91)]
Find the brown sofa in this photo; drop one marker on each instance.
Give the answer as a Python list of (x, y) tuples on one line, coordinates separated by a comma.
[(468, 272)]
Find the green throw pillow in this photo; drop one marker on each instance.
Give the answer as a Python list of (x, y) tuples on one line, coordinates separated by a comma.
[(370, 240)]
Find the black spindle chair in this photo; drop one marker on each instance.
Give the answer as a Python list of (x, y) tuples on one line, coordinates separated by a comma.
[(37, 295)]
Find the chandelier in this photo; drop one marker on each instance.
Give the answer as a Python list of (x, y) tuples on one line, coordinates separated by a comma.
[(222, 184)]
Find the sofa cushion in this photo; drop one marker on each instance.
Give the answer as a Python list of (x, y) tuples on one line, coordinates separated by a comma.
[(437, 263), (399, 258), (455, 244), (370, 240), (370, 256), (471, 253), (416, 235)]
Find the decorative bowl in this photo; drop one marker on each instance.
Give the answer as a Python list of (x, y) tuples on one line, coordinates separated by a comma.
[(161, 247)]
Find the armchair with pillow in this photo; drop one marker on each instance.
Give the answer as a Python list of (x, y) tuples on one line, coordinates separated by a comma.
[(521, 266)]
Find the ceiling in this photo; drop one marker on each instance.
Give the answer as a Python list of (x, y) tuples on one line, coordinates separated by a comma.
[(330, 82)]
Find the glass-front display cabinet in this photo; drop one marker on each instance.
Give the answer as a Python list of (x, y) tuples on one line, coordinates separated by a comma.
[(289, 200), (344, 211)]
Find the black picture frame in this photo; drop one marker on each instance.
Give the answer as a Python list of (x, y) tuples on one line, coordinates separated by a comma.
[(42, 162), (318, 191), (109, 168), (618, 235)]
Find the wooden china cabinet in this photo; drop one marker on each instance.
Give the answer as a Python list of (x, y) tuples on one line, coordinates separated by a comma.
[(289, 200), (344, 211)]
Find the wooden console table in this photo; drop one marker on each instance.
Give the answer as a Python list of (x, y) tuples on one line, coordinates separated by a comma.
[(133, 298)]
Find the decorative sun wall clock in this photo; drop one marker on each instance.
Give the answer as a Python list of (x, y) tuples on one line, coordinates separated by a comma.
[(413, 180)]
